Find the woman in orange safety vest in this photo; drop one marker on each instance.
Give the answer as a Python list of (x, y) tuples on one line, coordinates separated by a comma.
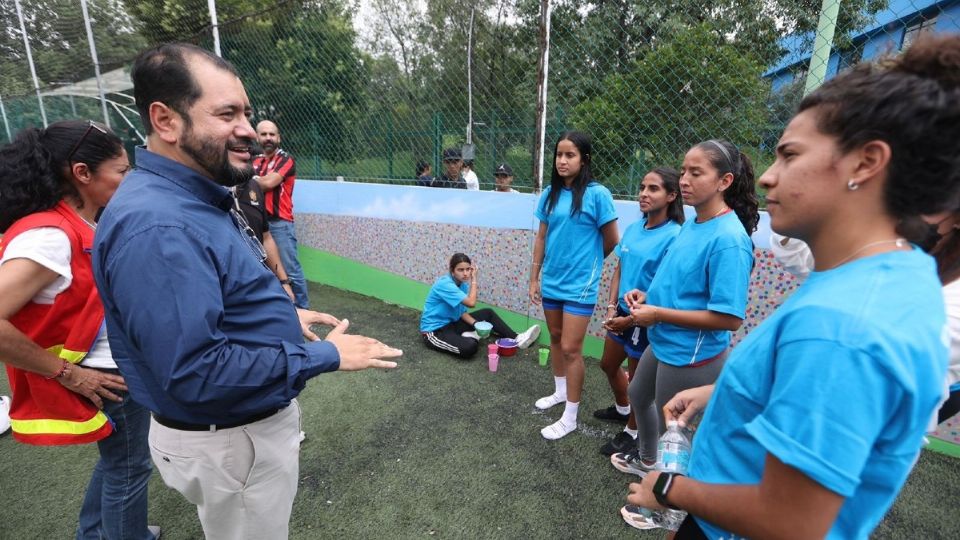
[(65, 384)]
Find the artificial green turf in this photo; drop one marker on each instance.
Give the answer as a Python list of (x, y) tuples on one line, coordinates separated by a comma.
[(436, 448)]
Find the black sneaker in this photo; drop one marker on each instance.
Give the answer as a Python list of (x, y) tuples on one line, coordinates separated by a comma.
[(623, 442), (610, 414)]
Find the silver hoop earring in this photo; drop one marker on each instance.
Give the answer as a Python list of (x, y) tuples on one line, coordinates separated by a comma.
[(852, 186)]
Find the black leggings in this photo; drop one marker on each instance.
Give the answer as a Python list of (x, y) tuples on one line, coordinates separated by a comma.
[(448, 339)]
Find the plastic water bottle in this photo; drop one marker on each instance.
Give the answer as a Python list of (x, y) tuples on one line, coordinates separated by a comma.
[(673, 455)]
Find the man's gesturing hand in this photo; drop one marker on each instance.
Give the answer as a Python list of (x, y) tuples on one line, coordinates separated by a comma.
[(359, 352)]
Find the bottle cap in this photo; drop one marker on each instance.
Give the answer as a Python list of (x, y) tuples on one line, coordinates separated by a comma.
[(672, 423)]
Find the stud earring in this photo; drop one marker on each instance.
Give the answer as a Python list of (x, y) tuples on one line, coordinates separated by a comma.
[(852, 186)]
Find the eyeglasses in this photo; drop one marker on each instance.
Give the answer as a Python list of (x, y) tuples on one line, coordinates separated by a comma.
[(256, 247), (90, 125)]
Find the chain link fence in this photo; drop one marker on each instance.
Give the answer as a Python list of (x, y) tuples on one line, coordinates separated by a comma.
[(365, 90)]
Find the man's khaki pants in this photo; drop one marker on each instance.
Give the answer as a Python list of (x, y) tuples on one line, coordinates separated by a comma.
[(243, 479)]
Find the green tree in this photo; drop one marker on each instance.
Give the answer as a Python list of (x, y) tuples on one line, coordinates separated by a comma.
[(693, 88), (298, 60)]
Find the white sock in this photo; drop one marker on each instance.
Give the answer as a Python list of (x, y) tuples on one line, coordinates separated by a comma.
[(570, 413), (565, 425), (558, 396), (560, 386), (623, 410), (631, 432)]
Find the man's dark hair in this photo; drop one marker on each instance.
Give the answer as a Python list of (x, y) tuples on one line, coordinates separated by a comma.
[(162, 74)]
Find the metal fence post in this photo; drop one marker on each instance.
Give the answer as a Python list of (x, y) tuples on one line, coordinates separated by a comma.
[(820, 58), (390, 146), (214, 27), (437, 140), (33, 69), (6, 125), (96, 63), (542, 79)]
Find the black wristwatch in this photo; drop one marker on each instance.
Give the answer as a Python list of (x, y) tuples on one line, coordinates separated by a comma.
[(285, 281), (662, 487)]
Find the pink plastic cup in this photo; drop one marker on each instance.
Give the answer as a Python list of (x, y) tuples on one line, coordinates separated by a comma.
[(493, 348), (493, 360)]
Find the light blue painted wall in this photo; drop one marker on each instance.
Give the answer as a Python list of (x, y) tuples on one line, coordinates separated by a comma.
[(453, 206)]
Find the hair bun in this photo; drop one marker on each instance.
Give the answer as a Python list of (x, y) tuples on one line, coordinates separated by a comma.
[(933, 57)]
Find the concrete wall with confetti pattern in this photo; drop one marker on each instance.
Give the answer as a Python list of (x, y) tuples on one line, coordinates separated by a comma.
[(401, 237)]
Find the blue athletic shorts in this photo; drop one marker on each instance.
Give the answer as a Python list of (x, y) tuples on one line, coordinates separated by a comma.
[(633, 339), (573, 308)]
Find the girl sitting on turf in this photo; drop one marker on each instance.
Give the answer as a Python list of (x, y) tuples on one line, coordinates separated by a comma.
[(578, 229), (640, 251), (699, 294), (446, 326)]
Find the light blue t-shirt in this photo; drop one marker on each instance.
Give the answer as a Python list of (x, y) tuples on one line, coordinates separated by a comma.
[(444, 303), (640, 251), (573, 254), (707, 267), (839, 383)]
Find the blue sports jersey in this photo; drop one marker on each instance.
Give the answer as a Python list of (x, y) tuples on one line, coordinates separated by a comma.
[(640, 251), (707, 267), (839, 383), (444, 303), (573, 252)]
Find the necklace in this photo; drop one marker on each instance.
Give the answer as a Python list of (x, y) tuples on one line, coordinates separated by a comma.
[(79, 215), (92, 225), (899, 242), (722, 211)]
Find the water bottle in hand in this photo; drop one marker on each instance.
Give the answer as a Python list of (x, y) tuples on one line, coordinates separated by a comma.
[(673, 455)]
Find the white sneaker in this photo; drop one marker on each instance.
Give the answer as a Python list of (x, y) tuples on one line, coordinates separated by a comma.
[(638, 518), (552, 400), (472, 335), (4, 414), (529, 337), (557, 430)]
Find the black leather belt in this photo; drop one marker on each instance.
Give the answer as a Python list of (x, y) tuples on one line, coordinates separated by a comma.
[(184, 426)]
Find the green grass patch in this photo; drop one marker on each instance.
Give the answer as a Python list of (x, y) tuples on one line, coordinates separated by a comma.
[(436, 448)]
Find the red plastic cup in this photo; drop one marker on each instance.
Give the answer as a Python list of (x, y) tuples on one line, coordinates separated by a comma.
[(493, 348), (493, 360)]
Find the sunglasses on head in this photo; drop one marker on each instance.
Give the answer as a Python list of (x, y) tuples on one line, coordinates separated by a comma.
[(90, 125)]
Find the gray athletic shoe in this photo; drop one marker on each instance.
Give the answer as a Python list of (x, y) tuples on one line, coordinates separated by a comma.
[(631, 463)]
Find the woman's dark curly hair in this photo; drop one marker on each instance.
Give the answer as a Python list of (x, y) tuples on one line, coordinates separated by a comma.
[(741, 196), (35, 168), (911, 102)]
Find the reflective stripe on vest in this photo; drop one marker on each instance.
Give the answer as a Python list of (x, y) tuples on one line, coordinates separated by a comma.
[(59, 427), (74, 357)]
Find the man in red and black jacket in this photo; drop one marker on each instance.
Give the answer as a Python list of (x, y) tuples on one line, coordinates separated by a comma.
[(276, 173)]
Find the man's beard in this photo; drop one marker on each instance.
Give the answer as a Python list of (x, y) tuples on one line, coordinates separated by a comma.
[(269, 147), (215, 159)]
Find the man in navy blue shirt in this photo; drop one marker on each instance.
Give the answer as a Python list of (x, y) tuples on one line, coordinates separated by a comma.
[(201, 329)]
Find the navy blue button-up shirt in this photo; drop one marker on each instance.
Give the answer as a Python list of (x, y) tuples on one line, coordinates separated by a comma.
[(201, 330)]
